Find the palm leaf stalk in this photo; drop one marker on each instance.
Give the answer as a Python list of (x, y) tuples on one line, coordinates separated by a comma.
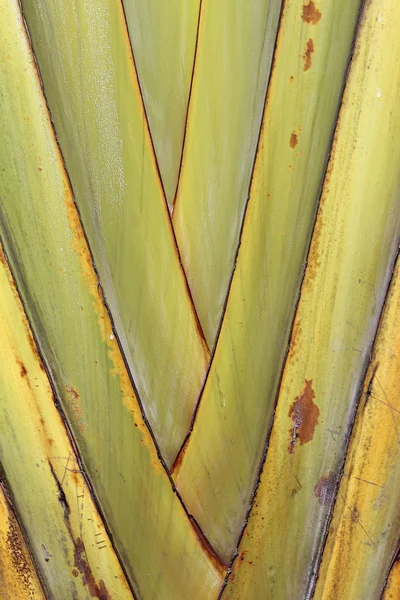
[(199, 299)]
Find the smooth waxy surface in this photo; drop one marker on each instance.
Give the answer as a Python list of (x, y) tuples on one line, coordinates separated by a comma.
[(234, 55), (163, 37), (73, 552), (366, 519), (236, 407), (50, 259), (18, 579), (83, 53), (349, 265)]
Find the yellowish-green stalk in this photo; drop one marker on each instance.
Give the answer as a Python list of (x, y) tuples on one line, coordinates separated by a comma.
[(220, 465), (71, 547), (163, 37), (84, 56), (18, 578), (234, 55), (51, 263), (349, 265), (366, 521)]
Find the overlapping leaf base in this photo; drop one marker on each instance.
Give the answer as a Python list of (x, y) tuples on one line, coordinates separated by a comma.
[(199, 299)]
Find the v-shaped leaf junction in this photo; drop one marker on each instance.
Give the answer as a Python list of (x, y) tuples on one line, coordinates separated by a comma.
[(197, 262)]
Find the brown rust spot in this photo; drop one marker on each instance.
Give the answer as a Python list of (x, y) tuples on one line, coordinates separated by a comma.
[(291, 79), (17, 553), (75, 573), (96, 590), (307, 56), (22, 368), (294, 140), (304, 414), (311, 14), (76, 407), (324, 490)]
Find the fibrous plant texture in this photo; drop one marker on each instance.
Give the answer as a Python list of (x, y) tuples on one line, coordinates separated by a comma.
[(199, 299)]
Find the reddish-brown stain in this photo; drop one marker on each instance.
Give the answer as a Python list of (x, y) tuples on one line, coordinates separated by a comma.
[(96, 590), (179, 458), (304, 414), (75, 573), (311, 14), (324, 490), (22, 368), (212, 555), (307, 56), (293, 140)]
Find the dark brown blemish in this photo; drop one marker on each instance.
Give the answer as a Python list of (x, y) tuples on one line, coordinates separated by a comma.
[(311, 14), (324, 490), (215, 559), (179, 457), (293, 140), (75, 573), (307, 56), (22, 368), (15, 547), (304, 414), (99, 590)]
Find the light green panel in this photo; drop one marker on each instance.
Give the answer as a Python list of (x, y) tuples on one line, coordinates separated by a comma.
[(237, 405), (234, 56), (84, 57), (350, 262), (51, 263), (163, 37)]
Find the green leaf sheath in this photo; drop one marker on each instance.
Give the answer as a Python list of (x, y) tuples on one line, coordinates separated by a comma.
[(234, 56), (238, 400), (350, 263), (50, 260), (83, 52), (163, 37)]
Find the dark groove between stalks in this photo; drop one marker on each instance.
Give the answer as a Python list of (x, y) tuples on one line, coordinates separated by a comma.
[(395, 559), (263, 459), (166, 207), (188, 107), (349, 431), (48, 372), (57, 404), (179, 456)]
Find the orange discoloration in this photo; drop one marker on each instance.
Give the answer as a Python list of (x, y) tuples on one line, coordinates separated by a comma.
[(293, 140), (80, 247), (76, 407), (294, 337), (311, 14), (304, 414), (324, 490), (307, 56)]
